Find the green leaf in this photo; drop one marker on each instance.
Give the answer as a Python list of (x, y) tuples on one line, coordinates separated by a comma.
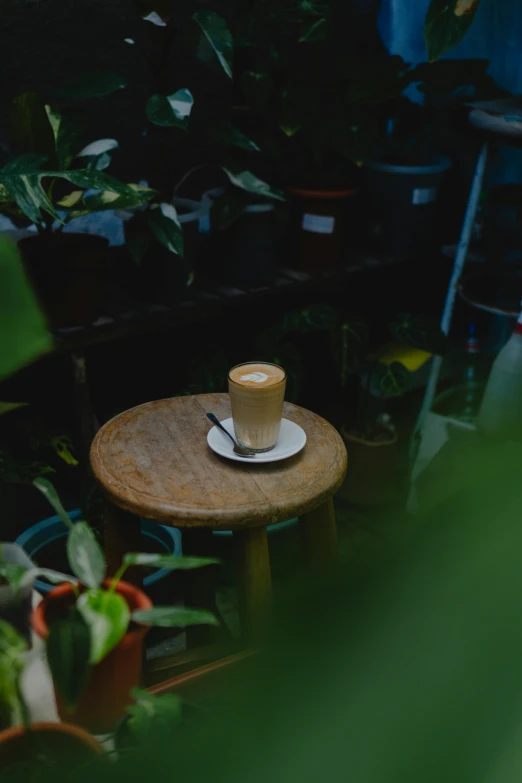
[(315, 31), (68, 653), (67, 131), (231, 136), (108, 200), (11, 643), (13, 573), (12, 648), (391, 380), (63, 448), (174, 617), (85, 555), (447, 23), (219, 37), (249, 182), (49, 492), (55, 577), (163, 8), (163, 221), (7, 407), (174, 562), (107, 615), (228, 208), (94, 85), (91, 179), (98, 147), (29, 127), (153, 718), (171, 110), (22, 179)]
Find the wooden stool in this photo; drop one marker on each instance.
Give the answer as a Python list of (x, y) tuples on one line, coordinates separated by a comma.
[(153, 462)]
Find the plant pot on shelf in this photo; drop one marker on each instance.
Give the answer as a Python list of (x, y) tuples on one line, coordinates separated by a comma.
[(16, 608), (245, 255), (373, 478), (402, 202), (321, 219), (61, 742), (110, 682), (66, 271)]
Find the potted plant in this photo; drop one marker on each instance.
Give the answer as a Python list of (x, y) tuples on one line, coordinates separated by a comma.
[(311, 103), (95, 627), (32, 749), (403, 179), (65, 268), (165, 239), (374, 473)]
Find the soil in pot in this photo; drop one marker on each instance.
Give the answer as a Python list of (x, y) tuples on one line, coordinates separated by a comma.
[(54, 743), (107, 692), (321, 223), (66, 271)]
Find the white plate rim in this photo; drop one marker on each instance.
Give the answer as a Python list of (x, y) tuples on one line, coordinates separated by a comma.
[(267, 456)]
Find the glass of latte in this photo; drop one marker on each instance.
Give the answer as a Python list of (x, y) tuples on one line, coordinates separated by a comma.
[(257, 393)]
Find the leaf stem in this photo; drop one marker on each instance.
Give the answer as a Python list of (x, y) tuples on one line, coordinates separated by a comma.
[(188, 174), (117, 577)]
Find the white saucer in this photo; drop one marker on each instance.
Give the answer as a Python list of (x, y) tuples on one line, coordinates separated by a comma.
[(292, 439)]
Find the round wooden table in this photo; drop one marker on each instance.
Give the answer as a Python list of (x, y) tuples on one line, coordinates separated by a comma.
[(153, 462)]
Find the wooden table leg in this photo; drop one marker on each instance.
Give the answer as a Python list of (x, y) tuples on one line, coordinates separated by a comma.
[(319, 538), (255, 582), (200, 584), (122, 534)]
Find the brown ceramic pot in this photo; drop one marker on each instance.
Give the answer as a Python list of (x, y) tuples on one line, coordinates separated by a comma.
[(107, 692), (63, 743), (321, 216), (374, 476)]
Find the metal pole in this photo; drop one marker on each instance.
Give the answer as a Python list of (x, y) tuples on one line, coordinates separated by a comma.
[(447, 314)]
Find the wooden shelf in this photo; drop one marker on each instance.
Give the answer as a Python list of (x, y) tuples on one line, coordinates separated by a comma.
[(122, 315)]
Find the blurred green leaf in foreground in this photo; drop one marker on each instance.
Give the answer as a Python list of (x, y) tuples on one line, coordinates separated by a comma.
[(23, 332), (406, 669)]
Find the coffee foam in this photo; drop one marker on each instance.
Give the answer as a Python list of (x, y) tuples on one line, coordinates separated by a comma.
[(257, 375)]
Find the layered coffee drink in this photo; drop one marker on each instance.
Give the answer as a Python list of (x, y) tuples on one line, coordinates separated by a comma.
[(257, 393)]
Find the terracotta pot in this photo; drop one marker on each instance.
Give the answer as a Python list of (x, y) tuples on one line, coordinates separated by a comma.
[(66, 273), (373, 477), (322, 217), (107, 692), (64, 743)]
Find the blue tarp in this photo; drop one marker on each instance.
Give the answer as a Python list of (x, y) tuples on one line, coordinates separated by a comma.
[(496, 35)]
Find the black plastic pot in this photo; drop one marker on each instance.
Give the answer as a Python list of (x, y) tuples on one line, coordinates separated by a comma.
[(245, 255), (402, 202), (66, 271)]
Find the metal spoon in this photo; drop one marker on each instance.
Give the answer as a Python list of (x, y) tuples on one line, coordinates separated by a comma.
[(237, 449)]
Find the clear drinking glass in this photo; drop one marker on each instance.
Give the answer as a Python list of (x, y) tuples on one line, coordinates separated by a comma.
[(257, 393)]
